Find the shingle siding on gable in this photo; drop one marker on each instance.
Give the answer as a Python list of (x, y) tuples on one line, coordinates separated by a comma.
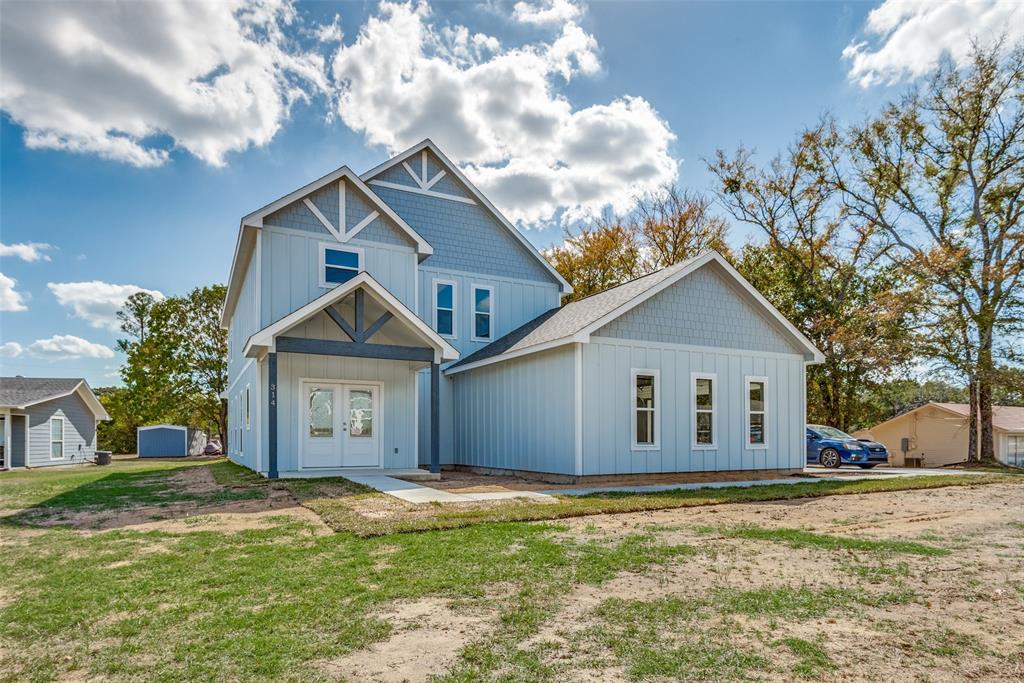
[(297, 216), (702, 309), (464, 236)]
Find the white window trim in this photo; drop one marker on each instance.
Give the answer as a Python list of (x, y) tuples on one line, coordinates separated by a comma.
[(474, 312), (746, 414), (63, 437), (694, 376), (248, 409), (633, 373), (455, 306), (322, 271)]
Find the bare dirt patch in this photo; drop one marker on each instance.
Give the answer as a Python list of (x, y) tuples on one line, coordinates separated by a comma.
[(426, 637), (964, 619)]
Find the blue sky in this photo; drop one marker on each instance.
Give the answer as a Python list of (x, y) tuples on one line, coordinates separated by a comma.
[(135, 180)]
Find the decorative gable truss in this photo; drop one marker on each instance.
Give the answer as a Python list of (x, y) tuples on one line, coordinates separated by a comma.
[(341, 231), (345, 179), (419, 170)]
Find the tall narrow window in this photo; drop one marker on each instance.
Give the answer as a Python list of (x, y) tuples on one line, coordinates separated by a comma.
[(247, 407), (645, 409), (483, 303), (444, 308), (757, 436), (704, 410), (56, 438), (338, 265)]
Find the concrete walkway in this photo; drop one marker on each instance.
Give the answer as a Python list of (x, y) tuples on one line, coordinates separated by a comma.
[(417, 493), (412, 492), (817, 474)]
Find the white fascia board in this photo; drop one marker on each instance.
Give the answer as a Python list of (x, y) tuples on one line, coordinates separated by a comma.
[(429, 144), (85, 392), (509, 355), (263, 341)]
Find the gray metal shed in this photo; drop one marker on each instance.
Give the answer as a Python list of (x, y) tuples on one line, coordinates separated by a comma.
[(162, 441)]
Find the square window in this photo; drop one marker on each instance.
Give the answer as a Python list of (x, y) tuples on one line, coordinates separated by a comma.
[(339, 265)]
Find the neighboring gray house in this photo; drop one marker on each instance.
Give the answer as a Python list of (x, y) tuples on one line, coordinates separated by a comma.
[(395, 318), (45, 421)]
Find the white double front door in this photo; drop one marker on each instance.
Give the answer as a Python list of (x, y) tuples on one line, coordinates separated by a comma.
[(340, 425)]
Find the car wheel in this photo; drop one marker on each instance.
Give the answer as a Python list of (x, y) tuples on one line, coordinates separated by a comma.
[(830, 458), (865, 467)]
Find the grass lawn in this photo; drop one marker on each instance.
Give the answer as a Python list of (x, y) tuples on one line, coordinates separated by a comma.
[(221, 575)]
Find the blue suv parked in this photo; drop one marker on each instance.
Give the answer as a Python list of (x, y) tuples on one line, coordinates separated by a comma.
[(829, 447)]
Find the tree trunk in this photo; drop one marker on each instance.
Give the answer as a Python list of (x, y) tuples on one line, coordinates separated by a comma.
[(222, 424), (985, 375), (972, 422)]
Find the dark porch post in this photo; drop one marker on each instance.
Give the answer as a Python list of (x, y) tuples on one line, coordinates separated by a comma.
[(435, 417), (272, 415)]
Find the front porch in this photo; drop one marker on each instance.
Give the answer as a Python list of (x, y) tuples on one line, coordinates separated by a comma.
[(340, 386)]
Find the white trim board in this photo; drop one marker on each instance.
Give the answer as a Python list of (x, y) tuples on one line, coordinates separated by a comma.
[(263, 341), (428, 144)]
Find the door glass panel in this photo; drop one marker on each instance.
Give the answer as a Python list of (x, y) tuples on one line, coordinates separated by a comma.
[(321, 412), (360, 406)]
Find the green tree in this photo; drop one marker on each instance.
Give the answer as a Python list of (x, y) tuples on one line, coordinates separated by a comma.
[(820, 267), (941, 173)]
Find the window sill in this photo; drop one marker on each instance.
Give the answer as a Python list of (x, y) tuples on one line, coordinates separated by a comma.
[(645, 447), (705, 447), (756, 447)]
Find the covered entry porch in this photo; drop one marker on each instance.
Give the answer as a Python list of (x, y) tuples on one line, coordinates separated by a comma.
[(338, 378)]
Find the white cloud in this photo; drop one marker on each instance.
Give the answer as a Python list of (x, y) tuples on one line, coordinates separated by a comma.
[(96, 302), (117, 79), (330, 33), (11, 350), (11, 300), (545, 13), (496, 110), (909, 37), (68, 347), (26, 251)]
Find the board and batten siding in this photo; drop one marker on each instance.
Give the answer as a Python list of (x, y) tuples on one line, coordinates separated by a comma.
[(515, 303), (519, 414), (245, 450), (291, 270), (79, 431), (608, 410)]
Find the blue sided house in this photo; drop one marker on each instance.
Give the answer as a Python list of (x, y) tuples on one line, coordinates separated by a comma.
[(395, 319)]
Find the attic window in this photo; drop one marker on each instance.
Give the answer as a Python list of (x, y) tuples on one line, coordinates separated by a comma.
[(338, 266)]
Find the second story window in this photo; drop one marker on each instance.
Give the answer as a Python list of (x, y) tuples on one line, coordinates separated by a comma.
[(483, 313), (338, 265), (444, 308)]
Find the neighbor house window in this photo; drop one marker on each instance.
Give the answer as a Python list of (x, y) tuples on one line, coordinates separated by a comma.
[(444, 308), (645, 392), (247, 407), (1015, 451), (339, 265), (483, 306), (704, 389), (56, 438), (756, 426)]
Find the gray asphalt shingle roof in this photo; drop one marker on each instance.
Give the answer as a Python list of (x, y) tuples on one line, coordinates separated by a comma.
[(20, 391), (559, 323)]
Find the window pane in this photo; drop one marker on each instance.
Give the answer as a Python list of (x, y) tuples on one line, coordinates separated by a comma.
[(360, 406), (444, 322), (757, 396), (339, 275), (57, 430), (645, 426), (704, 428), (704, 397), (644, 391), (444, 296), (757, 428), (482, 300), (321, 412), (483, 325), (56, 449), (337, 257)]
